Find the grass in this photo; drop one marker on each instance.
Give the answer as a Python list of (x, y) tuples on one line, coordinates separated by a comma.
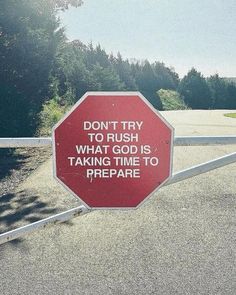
[(230, 115)]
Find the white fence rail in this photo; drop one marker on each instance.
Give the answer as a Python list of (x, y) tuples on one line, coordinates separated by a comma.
[(78, 211), (32, 227), (202, 168), (25, 142), (178, 141)]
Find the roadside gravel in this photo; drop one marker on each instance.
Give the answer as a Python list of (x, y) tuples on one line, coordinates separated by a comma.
[(14, 169)]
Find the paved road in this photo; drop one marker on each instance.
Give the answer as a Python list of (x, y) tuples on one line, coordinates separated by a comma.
[(182, 241)]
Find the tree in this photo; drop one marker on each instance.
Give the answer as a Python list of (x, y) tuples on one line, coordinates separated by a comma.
[(64, 4), (71, 76), (148, 83), (123, 69), (30, 34), (223, 92), (167, 78), (218, 88), (106, 79), (231, 96), (195, 91)]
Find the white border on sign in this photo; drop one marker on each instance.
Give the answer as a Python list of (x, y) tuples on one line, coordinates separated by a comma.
[(109, 93)]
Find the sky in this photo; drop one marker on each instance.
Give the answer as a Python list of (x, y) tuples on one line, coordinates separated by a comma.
[(181, 33)]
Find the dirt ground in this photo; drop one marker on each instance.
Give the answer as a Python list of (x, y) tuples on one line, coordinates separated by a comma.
[(16, 167)]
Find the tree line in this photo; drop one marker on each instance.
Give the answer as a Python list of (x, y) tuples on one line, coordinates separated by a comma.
[(41, 71)]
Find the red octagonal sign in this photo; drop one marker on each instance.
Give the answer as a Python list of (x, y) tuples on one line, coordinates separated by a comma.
[(112, 150)]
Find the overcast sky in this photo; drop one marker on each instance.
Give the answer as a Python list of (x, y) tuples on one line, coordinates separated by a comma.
[(181, 33)]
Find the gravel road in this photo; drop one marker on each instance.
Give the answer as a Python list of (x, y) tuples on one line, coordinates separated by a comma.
[(18, 166), (181, 241)]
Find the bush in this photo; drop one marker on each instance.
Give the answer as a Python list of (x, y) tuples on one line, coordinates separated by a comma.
[(171, 100), (51, 113)]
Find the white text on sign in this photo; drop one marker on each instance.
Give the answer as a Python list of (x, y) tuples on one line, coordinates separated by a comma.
[(114, 151)]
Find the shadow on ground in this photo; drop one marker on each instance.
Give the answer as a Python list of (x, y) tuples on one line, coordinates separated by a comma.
[(18, 209), (10, 161)]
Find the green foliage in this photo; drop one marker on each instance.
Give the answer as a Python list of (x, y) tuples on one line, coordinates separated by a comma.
[(230, 115), (124, 69), (167, 77), (218, 90), (211, 93), (152, 77), (30, 35), (195, 90), (81, 68), (171, 100), (230, 80), (14, 113), (70, 72), (223, 92), (106, 79), (231, 96), (50, 114), (41, 72), (64, 4)]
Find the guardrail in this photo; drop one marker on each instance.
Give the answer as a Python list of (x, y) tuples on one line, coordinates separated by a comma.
[(78, 211), (178, 141)]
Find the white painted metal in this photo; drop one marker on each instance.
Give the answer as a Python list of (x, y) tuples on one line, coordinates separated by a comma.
[(25, 142), (202, 168), (176, 177), (178, 141), (55, 219), (204, 140), (67, 215)]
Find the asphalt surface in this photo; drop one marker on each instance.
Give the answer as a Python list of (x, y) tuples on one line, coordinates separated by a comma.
[(181, 241)]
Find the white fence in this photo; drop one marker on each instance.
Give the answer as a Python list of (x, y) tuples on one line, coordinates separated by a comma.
[(178, 141), (78, 211)]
